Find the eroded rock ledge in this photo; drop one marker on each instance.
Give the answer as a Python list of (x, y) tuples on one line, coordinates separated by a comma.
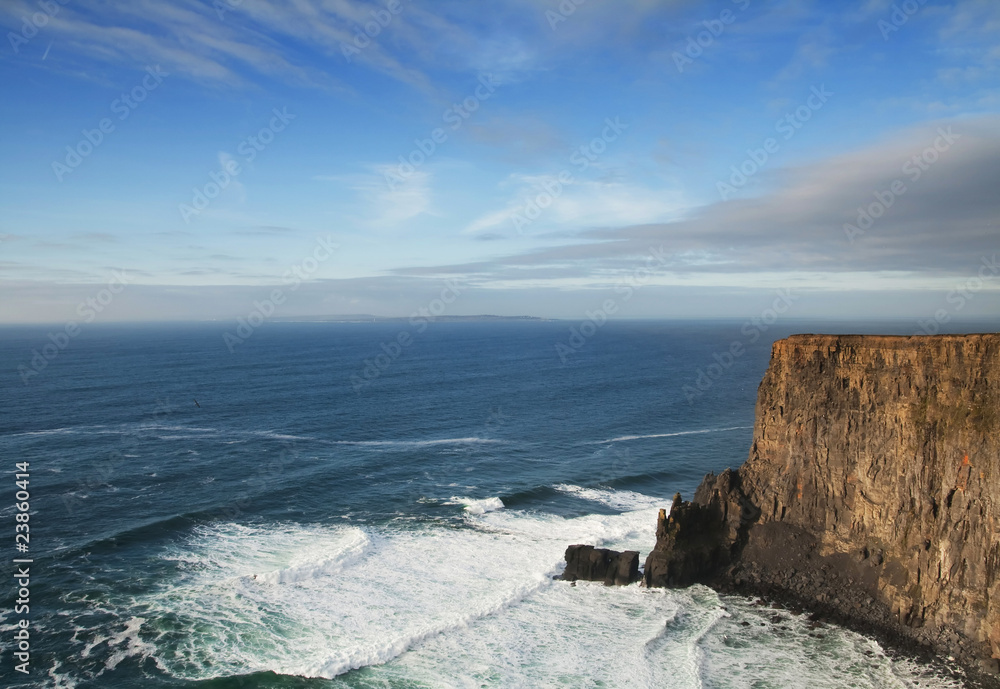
[(871, 493)]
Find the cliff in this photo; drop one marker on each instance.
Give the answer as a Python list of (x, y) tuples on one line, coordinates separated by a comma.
[(871, 493)]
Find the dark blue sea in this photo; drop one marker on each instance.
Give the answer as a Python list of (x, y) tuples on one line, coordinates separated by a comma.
[(201, 518)]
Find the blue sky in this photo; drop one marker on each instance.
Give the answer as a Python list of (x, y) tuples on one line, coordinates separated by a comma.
[(567, 150)]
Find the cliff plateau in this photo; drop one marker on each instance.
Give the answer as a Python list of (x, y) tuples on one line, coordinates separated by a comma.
[(871, 492)]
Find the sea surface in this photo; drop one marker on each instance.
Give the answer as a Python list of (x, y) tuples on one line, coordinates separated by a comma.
[(309, 524)]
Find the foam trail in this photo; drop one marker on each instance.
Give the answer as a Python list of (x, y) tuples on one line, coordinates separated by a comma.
[(624, 438), (417, 443)]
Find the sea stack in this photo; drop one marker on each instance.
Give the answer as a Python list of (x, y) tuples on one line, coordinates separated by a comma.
[(871, 493)]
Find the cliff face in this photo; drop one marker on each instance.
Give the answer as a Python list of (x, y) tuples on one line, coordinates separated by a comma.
[(872, 489)]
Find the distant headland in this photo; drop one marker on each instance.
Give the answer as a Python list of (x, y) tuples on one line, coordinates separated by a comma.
[(369, 318)]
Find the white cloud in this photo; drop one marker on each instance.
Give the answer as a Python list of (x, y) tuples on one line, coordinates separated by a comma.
[(386, 202), (549, 203)]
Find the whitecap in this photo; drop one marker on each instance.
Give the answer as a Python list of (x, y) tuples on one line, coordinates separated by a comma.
[(624, 500), (477, 506)]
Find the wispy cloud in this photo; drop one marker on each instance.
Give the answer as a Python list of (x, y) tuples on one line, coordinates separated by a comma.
[(945, 220), (548, 202), (383, 205)]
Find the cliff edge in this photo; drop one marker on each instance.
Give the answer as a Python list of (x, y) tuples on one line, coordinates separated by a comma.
[(871, 493)]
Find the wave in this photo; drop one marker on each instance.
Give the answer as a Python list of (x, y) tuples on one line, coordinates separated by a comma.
[(356, 544), (169, 432), (164, 527), (477, 506), (68, 430), (330, 598), (623, 500), (421, 603), (382, 652), (624, 438)]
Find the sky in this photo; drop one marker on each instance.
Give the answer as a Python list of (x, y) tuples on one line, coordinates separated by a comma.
[(631, 158)]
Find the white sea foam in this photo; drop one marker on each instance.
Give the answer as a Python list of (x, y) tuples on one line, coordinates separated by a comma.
[(446, 605), (283, 436), (126, 643), (474, 506), (405, 444), (68, 430), (348, 550), (624, 500), (60, 680), (327, 599), (624, 438), (232, 436)]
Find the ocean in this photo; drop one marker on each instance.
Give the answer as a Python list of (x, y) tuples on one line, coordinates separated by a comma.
[(322, 507)]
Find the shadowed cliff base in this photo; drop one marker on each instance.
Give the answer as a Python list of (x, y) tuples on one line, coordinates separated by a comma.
[(869, 496)]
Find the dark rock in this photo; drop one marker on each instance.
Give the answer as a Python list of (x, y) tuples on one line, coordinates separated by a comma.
[(868, 495), (600, 564), (699, 538)]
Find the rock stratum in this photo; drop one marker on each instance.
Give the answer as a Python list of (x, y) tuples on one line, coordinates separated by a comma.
[(871, 493)]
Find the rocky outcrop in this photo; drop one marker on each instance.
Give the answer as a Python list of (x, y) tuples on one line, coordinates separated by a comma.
[(600, 564), (701, 537), (871, 493)]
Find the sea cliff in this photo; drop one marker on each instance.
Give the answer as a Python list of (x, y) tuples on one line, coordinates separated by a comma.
[(871, 492)]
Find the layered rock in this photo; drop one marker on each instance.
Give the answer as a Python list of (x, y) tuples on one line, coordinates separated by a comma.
[(872, 491), (600, 564)]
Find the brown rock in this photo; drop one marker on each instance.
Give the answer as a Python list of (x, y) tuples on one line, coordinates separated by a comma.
[(875, 461)]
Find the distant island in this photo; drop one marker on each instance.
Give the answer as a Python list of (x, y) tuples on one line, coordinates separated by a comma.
[(369, 318)]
